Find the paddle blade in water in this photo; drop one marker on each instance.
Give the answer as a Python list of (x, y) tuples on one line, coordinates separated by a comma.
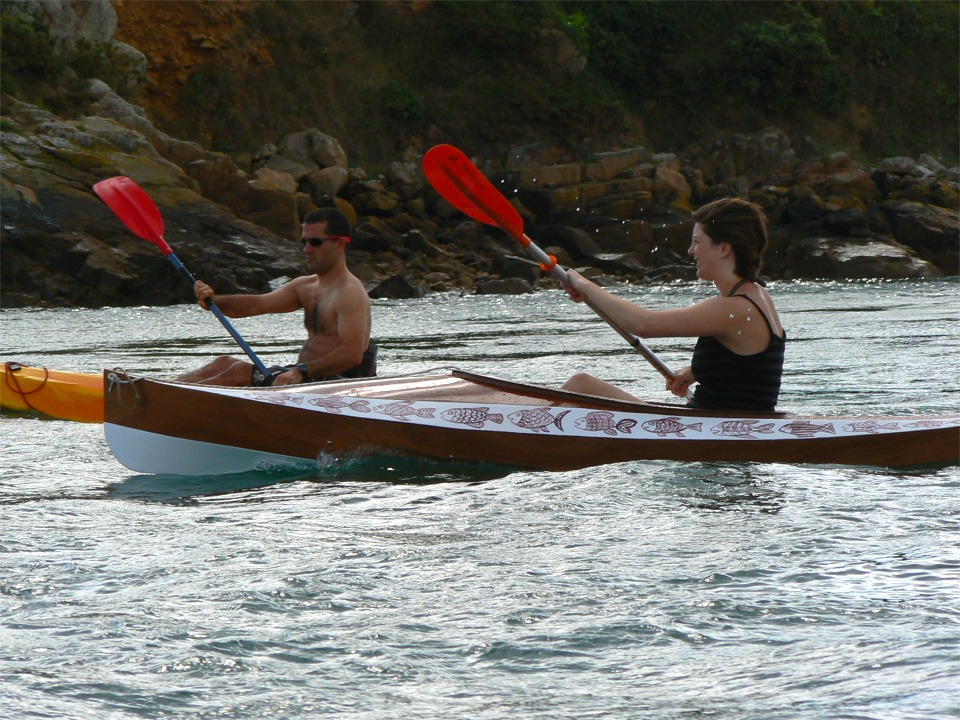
[(135, 209), (462, 184)]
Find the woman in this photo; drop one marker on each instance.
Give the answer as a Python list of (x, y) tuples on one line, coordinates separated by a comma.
[(738, 358)]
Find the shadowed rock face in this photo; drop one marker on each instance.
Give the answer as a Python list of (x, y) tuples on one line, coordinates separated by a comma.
[(62, 246), (623, 216), (618, 215)]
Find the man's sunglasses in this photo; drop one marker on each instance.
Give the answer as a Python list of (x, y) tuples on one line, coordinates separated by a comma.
[(317, 242)]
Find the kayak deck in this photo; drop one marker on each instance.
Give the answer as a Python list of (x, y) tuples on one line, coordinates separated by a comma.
[(57, 394)]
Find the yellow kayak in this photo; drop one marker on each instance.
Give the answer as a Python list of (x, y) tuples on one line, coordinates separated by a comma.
[(62, 395)]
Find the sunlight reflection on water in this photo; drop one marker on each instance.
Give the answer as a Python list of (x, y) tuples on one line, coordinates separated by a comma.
[(662, 589)]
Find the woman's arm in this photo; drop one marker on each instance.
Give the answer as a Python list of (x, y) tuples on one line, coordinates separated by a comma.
[(708, 317)]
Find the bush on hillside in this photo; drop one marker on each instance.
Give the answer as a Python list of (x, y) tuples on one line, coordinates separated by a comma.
[(27, 57), (787, 66)]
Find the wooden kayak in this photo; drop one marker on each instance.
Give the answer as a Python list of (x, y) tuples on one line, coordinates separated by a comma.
[(168, 427), (55, 393)]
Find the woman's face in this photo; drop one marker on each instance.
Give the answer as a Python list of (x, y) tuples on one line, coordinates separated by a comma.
[(706, 254)]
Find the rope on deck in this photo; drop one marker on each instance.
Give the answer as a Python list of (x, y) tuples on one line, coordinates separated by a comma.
[(117, 379), (10, 374)]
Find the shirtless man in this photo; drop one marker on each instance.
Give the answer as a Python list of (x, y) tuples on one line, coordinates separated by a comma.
[(336, 314)]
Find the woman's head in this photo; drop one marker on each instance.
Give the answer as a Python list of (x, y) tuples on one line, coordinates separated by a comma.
[(742, 225)]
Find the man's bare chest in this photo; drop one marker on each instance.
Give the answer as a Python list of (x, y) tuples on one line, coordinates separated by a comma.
[(319, 318)]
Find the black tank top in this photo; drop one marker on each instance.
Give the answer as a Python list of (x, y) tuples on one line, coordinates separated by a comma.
[(727, 381)]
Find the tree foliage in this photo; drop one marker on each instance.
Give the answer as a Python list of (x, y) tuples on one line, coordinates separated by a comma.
[(874, 78), (787, 66)]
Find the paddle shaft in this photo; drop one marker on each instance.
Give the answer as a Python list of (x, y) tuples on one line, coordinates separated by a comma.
[(546, 261), (141, 216), (221, 317), (549, 263), (462, 184)]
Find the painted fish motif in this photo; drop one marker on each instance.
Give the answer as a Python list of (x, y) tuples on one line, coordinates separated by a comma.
[(472, 416), (402, 410), (929, 423), (806, 429), (538, 420), (335, 404), (741, 428), (871, 426), (669, 426), (602, 421), (278, 398)]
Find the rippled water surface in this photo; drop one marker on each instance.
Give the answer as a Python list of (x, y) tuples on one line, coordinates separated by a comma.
[(425, 590)]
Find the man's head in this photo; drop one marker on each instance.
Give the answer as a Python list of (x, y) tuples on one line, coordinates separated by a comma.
[(325, 235), (336, 222)]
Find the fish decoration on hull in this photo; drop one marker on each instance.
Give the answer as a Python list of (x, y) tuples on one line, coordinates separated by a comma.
[(806, 429), (335, 404), (742, 428), (537, 419), (669, 426), (602, 421), (475, 417), (403, 411), (585, 421)]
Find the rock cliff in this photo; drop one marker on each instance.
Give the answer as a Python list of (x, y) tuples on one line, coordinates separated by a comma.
[(618, 214)]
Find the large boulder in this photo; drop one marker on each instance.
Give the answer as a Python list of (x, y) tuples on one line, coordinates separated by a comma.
[(932, 231), (847, 258), (63, 246)]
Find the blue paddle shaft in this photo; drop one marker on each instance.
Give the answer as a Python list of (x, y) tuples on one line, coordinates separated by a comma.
[(221, 317)]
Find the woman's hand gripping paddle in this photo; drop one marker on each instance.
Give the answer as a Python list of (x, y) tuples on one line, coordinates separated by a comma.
[(462, 184), (140, 214)]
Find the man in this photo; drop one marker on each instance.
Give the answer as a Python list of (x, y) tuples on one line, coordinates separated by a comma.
[(336, 314)]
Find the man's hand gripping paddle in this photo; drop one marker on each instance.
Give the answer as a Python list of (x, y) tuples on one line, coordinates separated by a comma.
[(140, 214), (462, 184)]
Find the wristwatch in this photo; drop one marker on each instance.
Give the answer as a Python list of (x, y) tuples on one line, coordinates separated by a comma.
[(302, 367)]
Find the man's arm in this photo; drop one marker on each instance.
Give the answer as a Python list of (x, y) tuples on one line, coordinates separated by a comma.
[(283, 299)]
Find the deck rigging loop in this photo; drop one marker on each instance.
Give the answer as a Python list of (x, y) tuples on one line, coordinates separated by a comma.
[(117, 379), (10, 375)]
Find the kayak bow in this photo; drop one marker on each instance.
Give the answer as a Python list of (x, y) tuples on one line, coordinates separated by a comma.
[(57, 394)]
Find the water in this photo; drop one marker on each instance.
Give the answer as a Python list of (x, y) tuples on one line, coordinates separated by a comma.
[(661, 590)]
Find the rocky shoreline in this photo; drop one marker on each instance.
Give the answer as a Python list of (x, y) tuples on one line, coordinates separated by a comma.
[(617, 214), (620, 216)]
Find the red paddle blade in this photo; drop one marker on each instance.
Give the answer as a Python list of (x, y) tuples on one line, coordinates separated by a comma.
[(135, 209), (462, 185)]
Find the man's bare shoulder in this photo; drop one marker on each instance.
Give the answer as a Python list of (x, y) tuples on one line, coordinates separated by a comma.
[(352, 289), (333, 289), (304, 285), (355, 283), (301, 281)]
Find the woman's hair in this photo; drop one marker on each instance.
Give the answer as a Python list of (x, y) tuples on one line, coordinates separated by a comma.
[(740, 223), (337, 223)]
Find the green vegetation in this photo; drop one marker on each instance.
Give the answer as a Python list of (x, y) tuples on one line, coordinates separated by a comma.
[(787, 67), (28, 64), (213, 91), (872, 78), (402, 104), (104, 62), (33, 69)]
